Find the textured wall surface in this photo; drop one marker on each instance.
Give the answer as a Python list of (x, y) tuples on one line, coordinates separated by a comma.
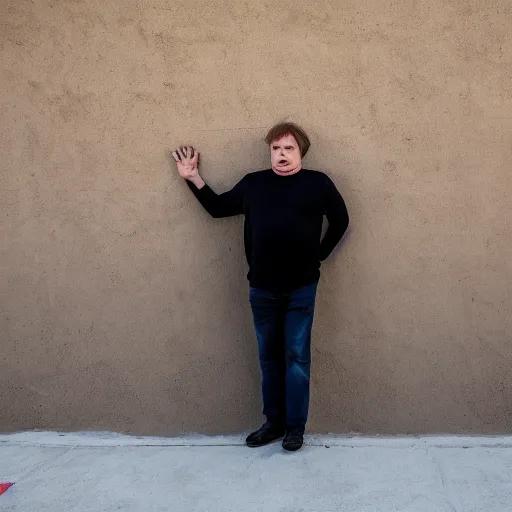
[(125, 307)]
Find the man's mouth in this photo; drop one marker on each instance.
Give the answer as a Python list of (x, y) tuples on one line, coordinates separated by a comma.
[(283, 162)]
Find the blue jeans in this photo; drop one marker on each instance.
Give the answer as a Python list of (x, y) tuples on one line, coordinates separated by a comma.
[(283, 322)]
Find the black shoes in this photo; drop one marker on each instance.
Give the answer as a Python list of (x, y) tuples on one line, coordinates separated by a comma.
[(293, 440), (265, 435)]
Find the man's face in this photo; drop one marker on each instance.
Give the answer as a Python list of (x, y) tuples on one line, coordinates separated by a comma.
[(285, 156)]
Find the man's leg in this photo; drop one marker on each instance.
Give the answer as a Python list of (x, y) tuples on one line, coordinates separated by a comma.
[(298, 325), (268, 312)]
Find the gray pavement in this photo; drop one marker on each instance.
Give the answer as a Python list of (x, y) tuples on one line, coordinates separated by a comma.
[(85, 472)]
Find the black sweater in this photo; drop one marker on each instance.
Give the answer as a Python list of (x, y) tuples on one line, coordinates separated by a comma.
[(283, 224)]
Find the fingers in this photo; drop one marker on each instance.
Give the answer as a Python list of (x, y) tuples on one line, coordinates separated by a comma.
[(183, 152)]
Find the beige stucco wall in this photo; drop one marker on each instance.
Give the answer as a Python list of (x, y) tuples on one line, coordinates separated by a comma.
[(124, 306)]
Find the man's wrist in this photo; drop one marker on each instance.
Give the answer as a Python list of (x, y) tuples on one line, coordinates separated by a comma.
[(197, 181)]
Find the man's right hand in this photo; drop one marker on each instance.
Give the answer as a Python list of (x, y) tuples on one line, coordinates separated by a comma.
[(186, 162)]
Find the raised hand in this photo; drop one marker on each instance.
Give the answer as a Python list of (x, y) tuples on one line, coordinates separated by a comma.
[(186, 162)]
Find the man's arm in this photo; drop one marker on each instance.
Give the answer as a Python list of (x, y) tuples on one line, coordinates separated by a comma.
[(217, 205), (337, 216)]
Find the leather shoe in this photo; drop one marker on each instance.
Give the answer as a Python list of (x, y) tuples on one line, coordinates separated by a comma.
[(265, 435), (293, 440)]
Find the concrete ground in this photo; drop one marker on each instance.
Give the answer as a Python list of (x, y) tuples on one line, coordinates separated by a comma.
[(105, 472)]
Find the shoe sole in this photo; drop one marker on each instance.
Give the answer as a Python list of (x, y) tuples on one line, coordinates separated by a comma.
[(292, 449), (257, 445)]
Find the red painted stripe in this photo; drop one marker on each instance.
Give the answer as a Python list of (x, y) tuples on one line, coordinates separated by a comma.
[(4, 487)]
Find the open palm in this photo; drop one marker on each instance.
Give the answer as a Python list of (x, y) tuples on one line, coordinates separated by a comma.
[(186, 162)]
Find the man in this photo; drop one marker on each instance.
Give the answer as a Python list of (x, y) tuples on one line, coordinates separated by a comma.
[(284, 208)]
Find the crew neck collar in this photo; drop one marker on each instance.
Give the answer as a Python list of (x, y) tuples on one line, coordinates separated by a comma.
[(285, 176)]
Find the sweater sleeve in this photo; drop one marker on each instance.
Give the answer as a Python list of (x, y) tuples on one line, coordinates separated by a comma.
[(337, 216), (221, 205)]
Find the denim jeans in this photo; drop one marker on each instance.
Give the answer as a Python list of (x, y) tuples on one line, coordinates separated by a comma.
[(283, 322)]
